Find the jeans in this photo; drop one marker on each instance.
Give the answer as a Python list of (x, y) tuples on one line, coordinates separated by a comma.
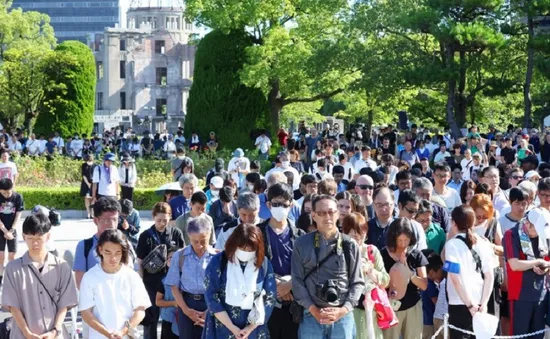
[(342, 329)]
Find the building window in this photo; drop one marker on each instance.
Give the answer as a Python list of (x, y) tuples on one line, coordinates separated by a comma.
[(99, 70), (122, 100), (159, 46), (162, 73), (161, 107), (122, 44), (122, 69), (99, 101)]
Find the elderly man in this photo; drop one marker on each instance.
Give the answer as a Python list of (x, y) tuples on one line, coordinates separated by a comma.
[(424, 189), (364, 187), (182, 204), (248, 207)]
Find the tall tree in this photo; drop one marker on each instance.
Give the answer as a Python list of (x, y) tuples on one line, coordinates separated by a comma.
[(298, 50)]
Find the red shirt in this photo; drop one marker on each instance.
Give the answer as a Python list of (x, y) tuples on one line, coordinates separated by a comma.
[(283, 136)]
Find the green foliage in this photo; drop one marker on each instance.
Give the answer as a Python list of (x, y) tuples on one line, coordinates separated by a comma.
[(68, 198), (217, 100), (69, 109)]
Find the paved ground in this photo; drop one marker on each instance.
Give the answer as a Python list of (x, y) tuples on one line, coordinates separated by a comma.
[(66, 236)]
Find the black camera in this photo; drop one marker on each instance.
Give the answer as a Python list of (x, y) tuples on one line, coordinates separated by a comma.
[(329, 291)]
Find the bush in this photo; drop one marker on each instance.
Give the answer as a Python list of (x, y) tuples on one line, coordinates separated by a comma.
[(62, 171), (231, 109), (68, 198)]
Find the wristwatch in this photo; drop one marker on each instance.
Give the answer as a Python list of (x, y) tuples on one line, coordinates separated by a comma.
[(57, 332), (132, 332)]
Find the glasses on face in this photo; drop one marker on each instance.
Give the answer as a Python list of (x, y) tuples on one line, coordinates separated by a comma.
[(516, 177), (382, 205), (422, 221), (411, 211), (325, 213), (344, 207), (280, 204), (366, 187)]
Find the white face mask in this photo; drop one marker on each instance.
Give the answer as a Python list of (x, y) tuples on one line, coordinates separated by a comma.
[(285, 164), (279, 213), (245, 256), (250, 187), (215, 193), (181, 157)]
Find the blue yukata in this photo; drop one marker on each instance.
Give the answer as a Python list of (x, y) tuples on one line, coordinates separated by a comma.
[(215, 281)]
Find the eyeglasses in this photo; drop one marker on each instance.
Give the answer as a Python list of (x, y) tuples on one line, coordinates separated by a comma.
[(441, 175), (422, 221), (382, 205), (325, 213), (516, 177), (411, 211), (280, 204), (366, 187)]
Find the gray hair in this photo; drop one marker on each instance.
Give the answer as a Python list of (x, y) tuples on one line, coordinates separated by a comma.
[(422, 184), (188, 178), (248, 201), (529, 187), (276, 178), (200, 225)]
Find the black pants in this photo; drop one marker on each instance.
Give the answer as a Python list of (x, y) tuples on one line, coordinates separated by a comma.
[(167, 331), (152, 314), (527, 317), (460, 316), (127, 193), (281, 325), (186, 326)]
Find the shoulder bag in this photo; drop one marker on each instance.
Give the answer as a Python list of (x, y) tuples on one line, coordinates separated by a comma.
[(155, 261)]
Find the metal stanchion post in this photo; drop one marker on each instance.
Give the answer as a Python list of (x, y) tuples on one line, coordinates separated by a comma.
[(446, 326)]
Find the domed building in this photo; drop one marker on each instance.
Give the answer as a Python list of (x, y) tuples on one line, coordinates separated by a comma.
[(145, 69)]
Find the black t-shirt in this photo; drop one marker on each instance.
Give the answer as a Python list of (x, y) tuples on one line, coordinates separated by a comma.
[(415, 259), (172, 237), (509, 154), (9, 207), (297, 194)]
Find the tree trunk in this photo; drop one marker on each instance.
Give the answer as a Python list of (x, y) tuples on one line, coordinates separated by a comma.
[(30, 118), (275, 104), (529, 73), (451, 91), (370, 119), (461, 103)]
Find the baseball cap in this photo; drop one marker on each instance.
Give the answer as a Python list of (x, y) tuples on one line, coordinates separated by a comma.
[(532, 174), (109, 157), (217, 182), (539, 217), (238, 153)]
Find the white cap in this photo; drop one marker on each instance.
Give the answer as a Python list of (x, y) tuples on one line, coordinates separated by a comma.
[(217, 182), (532, 174), (540, 218)]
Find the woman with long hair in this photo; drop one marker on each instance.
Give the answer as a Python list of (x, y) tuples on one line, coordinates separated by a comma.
[(469, 264), (467, 191), (240, 288), (346, 205), (113, 298), (372, 266)]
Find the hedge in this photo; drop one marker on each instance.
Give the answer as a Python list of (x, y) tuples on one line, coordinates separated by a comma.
[(68, 198)]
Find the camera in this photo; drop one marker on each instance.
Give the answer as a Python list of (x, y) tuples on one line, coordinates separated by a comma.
[(329, 291)]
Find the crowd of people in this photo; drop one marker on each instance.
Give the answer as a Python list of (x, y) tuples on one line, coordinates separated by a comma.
[(342, 238)]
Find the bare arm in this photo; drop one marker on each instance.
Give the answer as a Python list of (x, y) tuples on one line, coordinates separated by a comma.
[(179, 298), (525, 265), (78, 277), (488, 281), (420, 279), (463, 294), (140, 271), (160, 302), (90, 319), (22, 323), (59, 318), (16, 220)]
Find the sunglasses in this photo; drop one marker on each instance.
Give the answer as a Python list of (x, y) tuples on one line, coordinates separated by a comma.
[(366, 187), (413, 212), (516, 177), (280, 204)]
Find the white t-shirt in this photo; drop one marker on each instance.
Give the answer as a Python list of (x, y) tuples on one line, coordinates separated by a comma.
[(8, 170), (296, 182), (466, 164), (506, 222), (243, 163), (32, 146), (113, 297), (441, 156), (263, 143), (459, 260), (361, 163), (451, 198), (76, 147), (104, 186), (349, 171)]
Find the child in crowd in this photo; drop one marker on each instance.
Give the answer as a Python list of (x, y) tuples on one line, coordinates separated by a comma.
[(437, 275)]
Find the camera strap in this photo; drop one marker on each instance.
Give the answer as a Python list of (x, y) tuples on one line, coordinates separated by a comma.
[(318, 250)]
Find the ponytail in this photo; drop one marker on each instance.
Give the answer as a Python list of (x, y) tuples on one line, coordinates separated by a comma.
[(470, 238)]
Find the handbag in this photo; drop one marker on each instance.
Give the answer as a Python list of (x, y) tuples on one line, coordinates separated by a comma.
[(155, 261), (385, 314), (5, 328)]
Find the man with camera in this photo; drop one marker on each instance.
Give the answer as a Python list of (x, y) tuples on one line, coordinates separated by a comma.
[(326, 276)]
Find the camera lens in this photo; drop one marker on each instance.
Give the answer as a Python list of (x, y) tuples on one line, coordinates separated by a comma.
[(331, 295)]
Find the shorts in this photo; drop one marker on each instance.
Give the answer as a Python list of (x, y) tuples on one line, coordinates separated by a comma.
[(12, 244)]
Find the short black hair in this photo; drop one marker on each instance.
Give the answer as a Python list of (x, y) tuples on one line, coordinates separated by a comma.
[(6, 184), (442, 166), (517, 194), (398, 227), (308, 179), (322, 163), (106, 204), (403, 175), (456, 166), (434, 262), (126, 206), (321, 198), (544, 185), (255, 164), (424, 206), (116, 237), (36, 224), (305, 221), (253, 177), (280, 190), (289, 176), (199, 198), (407, 196), (227, 193)]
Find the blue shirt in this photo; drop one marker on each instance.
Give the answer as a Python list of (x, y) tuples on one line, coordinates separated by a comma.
[(80, 261), (265, 213), (157, 144), (455, 185), (193, 266), (281, 249), (341, 187), (50, 145), (428, 306), (180, 205)]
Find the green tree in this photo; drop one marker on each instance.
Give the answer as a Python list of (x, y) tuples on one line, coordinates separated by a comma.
[(299, 49), (26, 41), (218, 101), (69, 106)]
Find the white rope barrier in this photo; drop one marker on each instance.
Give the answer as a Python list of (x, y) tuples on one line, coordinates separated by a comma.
[(438, 331)]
